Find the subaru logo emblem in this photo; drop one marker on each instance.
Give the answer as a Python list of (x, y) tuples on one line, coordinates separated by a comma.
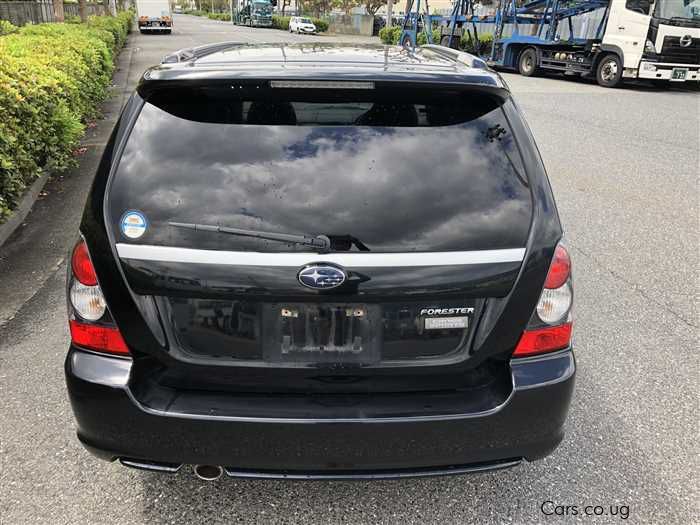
[(686, 40), (321, 276)]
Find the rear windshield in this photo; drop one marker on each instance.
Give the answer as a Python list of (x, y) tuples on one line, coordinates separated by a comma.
[(399, 170)]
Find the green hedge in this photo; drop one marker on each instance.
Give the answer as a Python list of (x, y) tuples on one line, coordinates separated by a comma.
[(52, 78), (392, 35), (7, 27), (225, 17), (282, 22)]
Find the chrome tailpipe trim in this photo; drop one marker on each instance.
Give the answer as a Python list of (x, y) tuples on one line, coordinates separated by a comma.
[(208, 472)]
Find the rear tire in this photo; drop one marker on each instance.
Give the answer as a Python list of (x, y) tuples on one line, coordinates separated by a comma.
[(609, 71), (527, 62), (445, 41)]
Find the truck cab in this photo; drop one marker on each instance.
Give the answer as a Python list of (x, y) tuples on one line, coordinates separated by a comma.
[(255, 13), (655, 40)]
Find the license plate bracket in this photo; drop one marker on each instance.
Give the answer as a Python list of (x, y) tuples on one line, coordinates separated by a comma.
[(307, 333)]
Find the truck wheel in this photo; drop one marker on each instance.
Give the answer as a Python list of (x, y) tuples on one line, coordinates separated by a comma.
[(527, 63), (445, 41), (609, 71)]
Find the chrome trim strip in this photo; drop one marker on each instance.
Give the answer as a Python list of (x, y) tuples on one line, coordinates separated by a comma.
[(144, 252), (376, 474), (145, 465)]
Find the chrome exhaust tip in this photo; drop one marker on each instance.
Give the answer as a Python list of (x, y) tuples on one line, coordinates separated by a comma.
[(208, 472)]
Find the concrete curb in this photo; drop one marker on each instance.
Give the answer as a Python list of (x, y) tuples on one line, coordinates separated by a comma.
[(21, 211)]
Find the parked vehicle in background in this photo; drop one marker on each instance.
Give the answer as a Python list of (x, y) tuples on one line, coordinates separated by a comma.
[(154, 16), (301, 24), (253, 13), (634, 39), (303, 306)]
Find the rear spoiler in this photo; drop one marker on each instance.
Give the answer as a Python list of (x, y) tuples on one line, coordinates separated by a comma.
[(461, 57)]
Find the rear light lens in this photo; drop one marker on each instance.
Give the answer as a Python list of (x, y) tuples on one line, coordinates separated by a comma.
[(559, 269), (96, 337), (555, 304), (550, 327), (88, 301), (543, 340), (83, 270), (91, 326)]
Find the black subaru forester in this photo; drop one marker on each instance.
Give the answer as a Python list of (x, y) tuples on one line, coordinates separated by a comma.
[(320, 261)]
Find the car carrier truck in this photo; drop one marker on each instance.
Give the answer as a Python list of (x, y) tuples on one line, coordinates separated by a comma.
[(154, 16), (633, 39)]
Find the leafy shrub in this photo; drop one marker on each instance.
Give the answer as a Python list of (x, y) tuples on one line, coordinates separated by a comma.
[(321, 25), (224, 17), (52, 78), (390, 35), (483, 47), (7, 27), (281, 22)]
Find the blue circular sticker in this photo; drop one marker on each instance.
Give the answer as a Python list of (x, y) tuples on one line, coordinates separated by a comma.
[(133, 224)]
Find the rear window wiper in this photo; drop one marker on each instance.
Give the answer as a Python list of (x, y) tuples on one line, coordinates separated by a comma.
[(321, 242)]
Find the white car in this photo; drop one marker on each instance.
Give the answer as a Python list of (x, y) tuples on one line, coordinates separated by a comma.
[(300, 24)]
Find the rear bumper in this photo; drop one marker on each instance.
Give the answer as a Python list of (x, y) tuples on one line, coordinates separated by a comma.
[(112, 424), (162, 26)]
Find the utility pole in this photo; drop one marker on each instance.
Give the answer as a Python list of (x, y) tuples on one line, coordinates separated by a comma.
[(389, 8)]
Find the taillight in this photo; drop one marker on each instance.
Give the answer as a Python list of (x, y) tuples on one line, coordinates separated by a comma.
[(91, 325), (559, 269), (550, 327), (99, 338), (541, 340), (83, 270)]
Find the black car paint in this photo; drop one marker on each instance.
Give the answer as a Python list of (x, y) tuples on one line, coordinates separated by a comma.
[(528, 425), (546, 387)]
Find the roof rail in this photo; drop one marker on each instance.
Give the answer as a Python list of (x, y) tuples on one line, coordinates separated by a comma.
[(457, 56)]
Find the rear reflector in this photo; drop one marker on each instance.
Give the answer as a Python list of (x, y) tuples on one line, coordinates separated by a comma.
[(98, 338), (541, 340), (82, 265)]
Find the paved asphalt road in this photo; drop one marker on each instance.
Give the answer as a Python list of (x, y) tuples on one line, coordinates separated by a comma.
[(624, 166)]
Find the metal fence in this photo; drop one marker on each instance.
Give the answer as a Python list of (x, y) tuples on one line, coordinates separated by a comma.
[(39, 11)]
